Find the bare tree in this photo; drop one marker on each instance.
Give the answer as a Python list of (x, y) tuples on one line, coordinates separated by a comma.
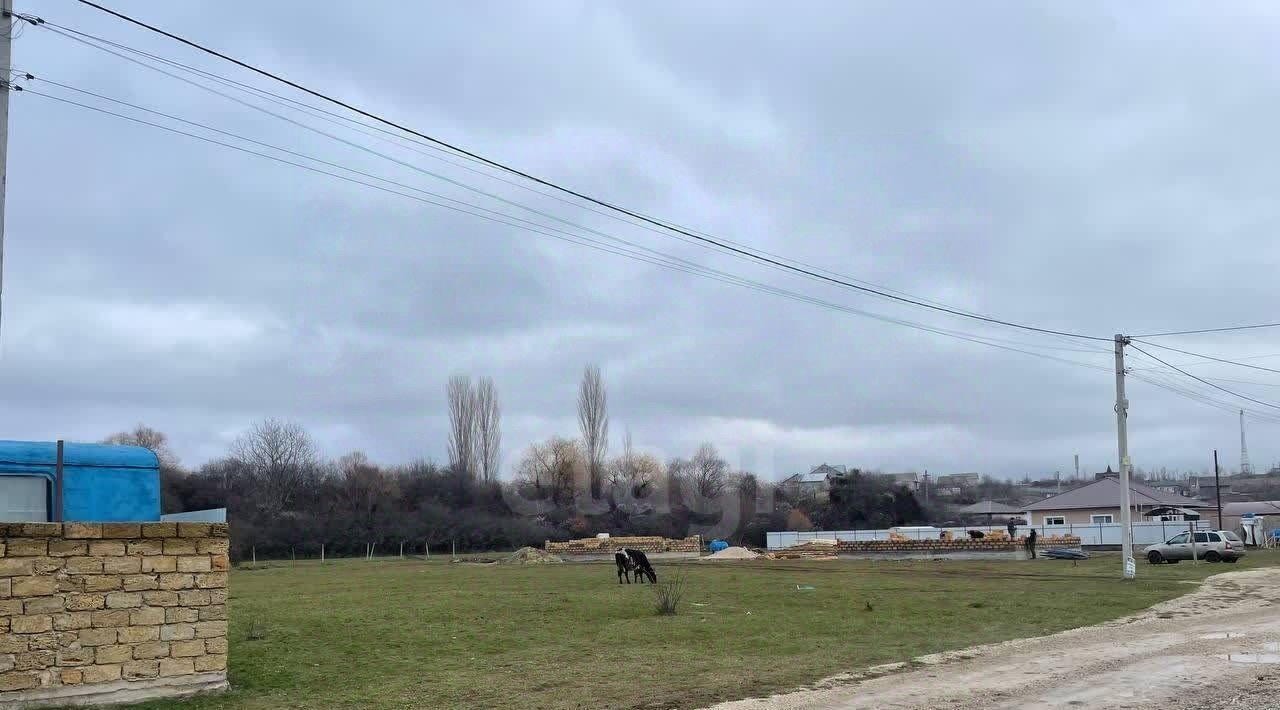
[(708, 472), (551, 468), (488, 430), (633, 471), (622, 469), (148, 438), (593, 422), (360, 488), (281, 458), (462, 424)]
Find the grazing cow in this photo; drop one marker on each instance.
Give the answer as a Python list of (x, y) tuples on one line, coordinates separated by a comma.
[(976, 534), (629, 561)]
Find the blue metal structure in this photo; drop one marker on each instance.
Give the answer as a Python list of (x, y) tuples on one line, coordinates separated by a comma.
[(101, 482)]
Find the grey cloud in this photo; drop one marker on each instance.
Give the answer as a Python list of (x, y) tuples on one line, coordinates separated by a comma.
[(1085, 171)]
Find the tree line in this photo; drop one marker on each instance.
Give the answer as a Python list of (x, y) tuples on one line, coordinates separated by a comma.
[(283, 498)]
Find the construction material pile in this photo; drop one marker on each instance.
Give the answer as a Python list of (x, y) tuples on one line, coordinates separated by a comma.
[(732, 553), (609, 545), (812, 550), (531, 556)]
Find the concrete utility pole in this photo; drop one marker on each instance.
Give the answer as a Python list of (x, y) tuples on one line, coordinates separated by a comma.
[(6, 52), (1217, 486), (1129, 568)]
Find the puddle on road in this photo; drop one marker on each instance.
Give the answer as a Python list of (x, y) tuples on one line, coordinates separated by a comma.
[(1223, 635)]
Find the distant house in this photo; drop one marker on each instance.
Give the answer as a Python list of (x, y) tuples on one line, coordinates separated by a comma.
[(1099, 502), (1232, 512), (1106, 474), (954, 484), (911, 480), (1172, 488), (814, 483), (1207, 488), (989, 508)]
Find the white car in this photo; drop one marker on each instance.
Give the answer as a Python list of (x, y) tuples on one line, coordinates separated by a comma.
[(1210, 546)]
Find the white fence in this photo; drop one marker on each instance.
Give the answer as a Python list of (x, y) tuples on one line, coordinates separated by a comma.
[(1144, 533)]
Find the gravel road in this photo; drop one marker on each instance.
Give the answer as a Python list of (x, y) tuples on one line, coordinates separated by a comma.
[(1216, 648)]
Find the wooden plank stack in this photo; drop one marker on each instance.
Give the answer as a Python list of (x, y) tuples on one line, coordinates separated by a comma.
[(609, 545), (812, 550)]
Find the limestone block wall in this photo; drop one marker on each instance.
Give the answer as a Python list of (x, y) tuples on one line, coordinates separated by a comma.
[(111, 612)]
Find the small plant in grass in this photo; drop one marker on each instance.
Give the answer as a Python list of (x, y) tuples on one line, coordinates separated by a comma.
[(669, 592), (255, 630)]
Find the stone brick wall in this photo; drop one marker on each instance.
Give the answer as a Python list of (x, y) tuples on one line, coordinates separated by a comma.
[(111, 612)]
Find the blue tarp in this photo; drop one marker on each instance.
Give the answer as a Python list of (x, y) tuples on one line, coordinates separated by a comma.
[(101, 482)]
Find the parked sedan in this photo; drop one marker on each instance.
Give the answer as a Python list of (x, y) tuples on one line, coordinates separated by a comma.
[(1210, 546)]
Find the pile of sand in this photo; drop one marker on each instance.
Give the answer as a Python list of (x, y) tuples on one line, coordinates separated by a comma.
[(531, 556), (732, 553)]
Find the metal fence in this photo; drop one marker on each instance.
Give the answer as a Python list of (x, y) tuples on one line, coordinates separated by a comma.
[(1090, 534), (212, 515)]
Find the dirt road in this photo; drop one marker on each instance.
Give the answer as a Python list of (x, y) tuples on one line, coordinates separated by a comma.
[(1218, 647)]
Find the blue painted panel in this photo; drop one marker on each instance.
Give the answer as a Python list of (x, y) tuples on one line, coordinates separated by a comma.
[(110, 494), (101, 482)]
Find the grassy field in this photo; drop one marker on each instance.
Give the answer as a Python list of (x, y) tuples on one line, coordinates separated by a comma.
[(392, 634)]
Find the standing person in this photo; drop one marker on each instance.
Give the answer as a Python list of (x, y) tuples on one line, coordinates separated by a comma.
[(1031, 544), (1013, 529)]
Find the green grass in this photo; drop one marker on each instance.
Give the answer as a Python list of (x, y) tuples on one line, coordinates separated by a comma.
[(390, 634)]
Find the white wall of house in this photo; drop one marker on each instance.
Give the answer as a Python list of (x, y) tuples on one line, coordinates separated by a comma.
[(1084, 516)]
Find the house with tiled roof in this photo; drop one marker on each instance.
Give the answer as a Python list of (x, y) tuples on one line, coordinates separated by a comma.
[(1099, 502)]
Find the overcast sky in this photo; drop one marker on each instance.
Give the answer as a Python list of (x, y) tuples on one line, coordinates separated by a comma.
[(1092, 167)]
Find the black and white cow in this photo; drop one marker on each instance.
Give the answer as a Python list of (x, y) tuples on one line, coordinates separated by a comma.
[(629, 561)]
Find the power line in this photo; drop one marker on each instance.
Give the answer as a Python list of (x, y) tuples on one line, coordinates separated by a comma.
[(580, 195), (338, 119), (1244, 382), (657, 258), (1201, 398), (1210, 330), (1210, 357), (411, 143), (1204, 381)]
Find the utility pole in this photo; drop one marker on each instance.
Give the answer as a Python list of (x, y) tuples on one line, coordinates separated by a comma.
[(1246, 469), (1217, 486), (6, 60), (1129, 568), (926, 486)]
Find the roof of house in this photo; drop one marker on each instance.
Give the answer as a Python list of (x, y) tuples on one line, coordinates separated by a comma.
[(988, 507), (1259, 507), (818, 474), (1105, 493)]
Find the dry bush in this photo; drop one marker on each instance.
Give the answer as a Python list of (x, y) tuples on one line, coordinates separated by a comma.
[(669, 592)]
